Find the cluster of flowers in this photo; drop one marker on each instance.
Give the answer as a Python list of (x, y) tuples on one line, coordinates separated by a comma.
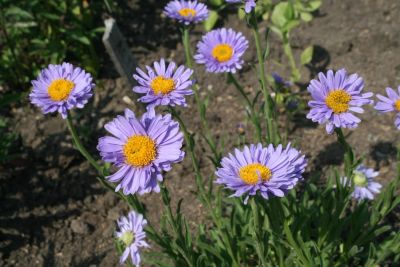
[(142, 148)]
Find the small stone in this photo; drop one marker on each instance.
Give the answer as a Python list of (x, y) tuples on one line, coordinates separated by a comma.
[(113, 214), (79, 227)]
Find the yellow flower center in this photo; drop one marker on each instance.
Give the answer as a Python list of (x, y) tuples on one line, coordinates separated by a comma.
[(397, 104), (139, 150), (360, 179), (338, 101), (222, 52), (60, 89), (254, 172), (162, 85), (127, 238), (186, 12)]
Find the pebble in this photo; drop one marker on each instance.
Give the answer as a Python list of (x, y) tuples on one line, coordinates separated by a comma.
[(113, 214), (79, 227)]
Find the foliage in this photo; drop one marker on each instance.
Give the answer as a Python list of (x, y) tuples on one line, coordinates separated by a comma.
[(318, 223), (34, 33)]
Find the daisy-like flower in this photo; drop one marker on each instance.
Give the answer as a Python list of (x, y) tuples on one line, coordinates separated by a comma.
[(221, 50), (268, 170), (164, 85), (132, 236), (186, 12), (336, 96), (60, 88), (249, 5), (141, 149), (364, 185), (390, 103)]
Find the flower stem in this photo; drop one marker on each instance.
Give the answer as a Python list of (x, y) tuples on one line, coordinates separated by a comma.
[(201, 106), (253, 114), (81, 148), (287, 48), (348, 153), (272, 132), (199, 181), (186, 45), (257, 233)]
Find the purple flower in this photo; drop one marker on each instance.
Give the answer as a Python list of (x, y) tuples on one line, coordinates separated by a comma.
[(164, 85), (249, 4), (390, 103), (221, 50), (132, 236), (60, 88), (186, 12), (364, 185), (336, 96), (280, 81), (141, 149), (271, 171)]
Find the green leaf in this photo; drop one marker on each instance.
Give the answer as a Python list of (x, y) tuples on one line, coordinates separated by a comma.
[(215, 3), (16, 11), (305, 16), (282, 14), (307, 55), (212, 19)]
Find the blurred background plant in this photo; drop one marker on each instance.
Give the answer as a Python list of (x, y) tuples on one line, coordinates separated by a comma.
[(36, 33), (283, 17)]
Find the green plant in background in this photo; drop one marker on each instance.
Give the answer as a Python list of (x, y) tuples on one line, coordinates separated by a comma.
[(324, 221), (216, 6), (7, 139), (286, 16), (37, 32)]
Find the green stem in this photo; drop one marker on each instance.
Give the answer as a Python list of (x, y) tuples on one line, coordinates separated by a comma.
[(184, 251), (271, 137), (348, 153), (287, 48), (81, 148), (201, 107), (253, 114), (186, 45), (257, 233), (199, 181)]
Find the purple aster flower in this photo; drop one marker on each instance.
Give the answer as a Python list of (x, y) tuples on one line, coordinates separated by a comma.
[(364, 185), (390, 103), (249, 4), (336, 96), (60, 88), (132, 236), (164, 85), (141, 149), (271, 171), (280, 81), (221, 50), (186, 12)]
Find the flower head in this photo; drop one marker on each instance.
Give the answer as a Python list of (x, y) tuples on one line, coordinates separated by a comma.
[(249, 4), (60, 88), (271, 171), (335, 97), (390, 103), (280, 81), (221, 50), (132, 236), (186, 12), (164, 85), (364, 185), (141, 149)]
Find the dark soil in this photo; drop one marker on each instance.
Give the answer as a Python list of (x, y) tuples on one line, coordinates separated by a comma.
[(55, 213)]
